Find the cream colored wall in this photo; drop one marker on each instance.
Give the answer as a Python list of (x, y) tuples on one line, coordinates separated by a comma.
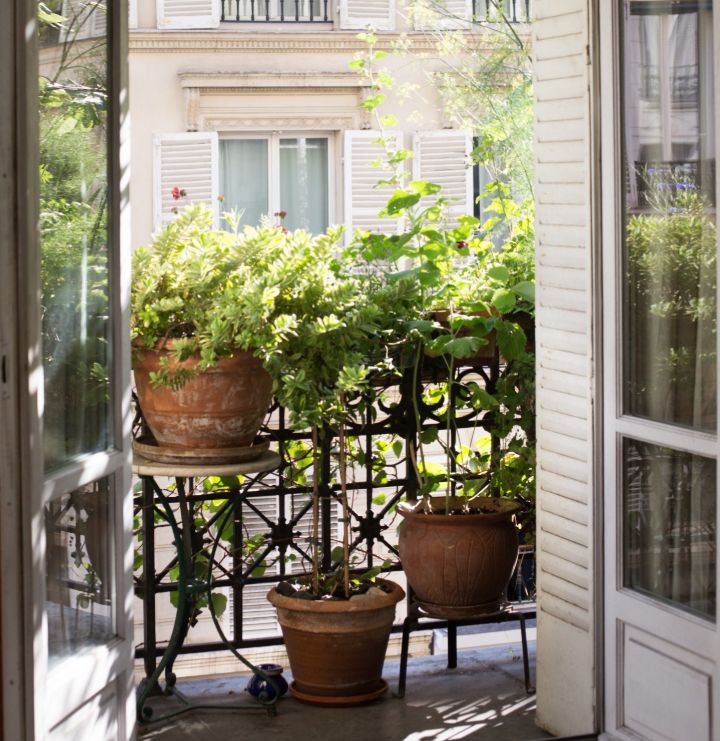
[(158, 105)]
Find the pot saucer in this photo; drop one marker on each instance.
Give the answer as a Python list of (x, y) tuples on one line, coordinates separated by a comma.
[(341, 700), (150, 450)]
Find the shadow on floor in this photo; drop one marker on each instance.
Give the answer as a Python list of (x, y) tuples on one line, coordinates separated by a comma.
[(484, 698)]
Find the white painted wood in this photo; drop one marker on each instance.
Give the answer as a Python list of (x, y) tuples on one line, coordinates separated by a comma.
[(133, 14), (442, 157), (84, 19), (90, 693), (187, 14), (666, 692), (661, 664), (361, 14), (188, 161), (565, 495), (442, 15), (363, 200)]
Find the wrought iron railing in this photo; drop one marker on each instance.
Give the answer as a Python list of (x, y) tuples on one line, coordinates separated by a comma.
[(269, 535), (320, 11), (276, 11)]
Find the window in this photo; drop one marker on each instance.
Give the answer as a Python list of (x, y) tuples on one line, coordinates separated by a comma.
[(265, 175)]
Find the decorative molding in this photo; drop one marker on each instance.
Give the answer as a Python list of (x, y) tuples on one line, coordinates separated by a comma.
[(192, 109), (263, 122), (241, 80), (330, 42)]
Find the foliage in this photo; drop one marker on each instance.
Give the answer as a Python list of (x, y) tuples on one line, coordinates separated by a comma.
[(671, 279), (474, 282), (73, 234), (282, 295), (486, 88)]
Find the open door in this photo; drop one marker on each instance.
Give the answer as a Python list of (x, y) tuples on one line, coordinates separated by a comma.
[(66, 381), (659, 105)]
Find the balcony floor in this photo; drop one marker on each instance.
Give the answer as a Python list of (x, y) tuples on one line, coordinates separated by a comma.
[(484, 698)]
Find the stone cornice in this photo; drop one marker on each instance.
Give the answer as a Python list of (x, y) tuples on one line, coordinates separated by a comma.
[(240, 80), (345, 42)]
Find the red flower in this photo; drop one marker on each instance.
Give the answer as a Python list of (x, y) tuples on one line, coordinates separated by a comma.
[(178, 193), (280, 214), (461, 244)]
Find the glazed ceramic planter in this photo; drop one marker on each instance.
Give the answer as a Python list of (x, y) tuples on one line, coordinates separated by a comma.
[(336, 648), (459, 564)]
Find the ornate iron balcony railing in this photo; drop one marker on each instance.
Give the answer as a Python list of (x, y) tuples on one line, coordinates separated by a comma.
[(320, 11)]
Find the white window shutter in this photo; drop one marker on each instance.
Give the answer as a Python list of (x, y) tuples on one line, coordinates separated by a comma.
[(363, 201), (187, 161), (84, 19), (179, 14), (441, 15), (359, 14), (442, 157), (132, 13)]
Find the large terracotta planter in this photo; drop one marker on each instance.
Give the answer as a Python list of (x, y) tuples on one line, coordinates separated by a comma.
[(222, 407), (459, 565), (337, 648)]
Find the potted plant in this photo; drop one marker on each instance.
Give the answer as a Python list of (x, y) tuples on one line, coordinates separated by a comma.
[(336, 624), (209, 306), (458, 549)]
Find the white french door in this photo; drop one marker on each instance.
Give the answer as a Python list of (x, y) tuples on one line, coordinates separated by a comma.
[(67, 650), (659, 194)]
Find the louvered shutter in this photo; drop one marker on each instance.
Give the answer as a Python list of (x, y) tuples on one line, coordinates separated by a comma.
[(441, 157), (363, 201), (190, 162), (359, 14), (436, 15), (84, 19), (177, 14), (132, 13)]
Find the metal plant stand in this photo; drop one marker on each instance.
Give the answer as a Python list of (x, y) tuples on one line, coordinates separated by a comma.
[(190, 584), (514, 611)]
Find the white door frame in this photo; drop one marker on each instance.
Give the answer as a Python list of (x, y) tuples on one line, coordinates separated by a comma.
[(34, 699), (695, 641)]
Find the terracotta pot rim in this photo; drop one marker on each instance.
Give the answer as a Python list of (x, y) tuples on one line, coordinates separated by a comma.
[(141, 354), (509, 507), (358, 604)]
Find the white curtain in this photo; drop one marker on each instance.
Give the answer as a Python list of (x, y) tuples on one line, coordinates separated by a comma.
[(304, 183), (244, 178)]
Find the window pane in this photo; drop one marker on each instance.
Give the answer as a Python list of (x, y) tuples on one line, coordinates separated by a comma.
[(669, 340), (244, 178), (669, 516), (74, 229), (304, 184), (80, 570)]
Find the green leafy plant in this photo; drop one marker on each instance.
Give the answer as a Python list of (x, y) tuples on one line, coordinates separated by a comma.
[(474, 288)]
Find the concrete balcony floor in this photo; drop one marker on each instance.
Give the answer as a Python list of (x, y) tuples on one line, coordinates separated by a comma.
[(484, 698)]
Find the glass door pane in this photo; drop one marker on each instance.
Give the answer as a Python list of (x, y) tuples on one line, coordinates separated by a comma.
[(669, 337), (76, 331), (669, 525), (80, 560), (304, 189), (244, 173)]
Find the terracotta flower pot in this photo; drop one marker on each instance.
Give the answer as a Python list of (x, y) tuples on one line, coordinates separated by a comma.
[(337, 648), (459, 565), (222, 407)]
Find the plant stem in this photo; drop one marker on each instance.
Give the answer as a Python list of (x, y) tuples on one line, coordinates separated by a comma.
[(316, 515), (346, 513)]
